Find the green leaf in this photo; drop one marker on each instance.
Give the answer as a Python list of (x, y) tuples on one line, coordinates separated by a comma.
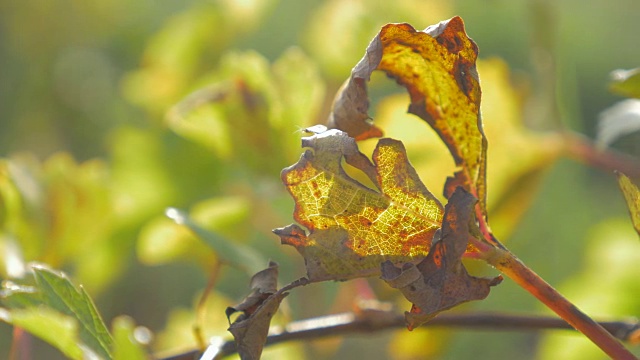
[(632, 196), (626, 82), (126, 344), (54, 302), (60, 294), (59, 330), (231, 252)]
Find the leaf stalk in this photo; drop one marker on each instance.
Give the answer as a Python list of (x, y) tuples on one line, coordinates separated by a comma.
[(505, 261)]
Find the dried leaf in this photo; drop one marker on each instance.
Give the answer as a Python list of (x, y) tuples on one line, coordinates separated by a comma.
[(440, 281), (352, 228), (632, 196), (438, 68), (263, 284), (251, 333), (351, 104), (250, 329)]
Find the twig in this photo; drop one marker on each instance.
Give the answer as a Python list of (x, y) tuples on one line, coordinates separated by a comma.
[(582, 149), (367, 321), (512, 267)]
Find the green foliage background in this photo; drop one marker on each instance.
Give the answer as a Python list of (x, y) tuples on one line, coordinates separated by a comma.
[(112, 111)]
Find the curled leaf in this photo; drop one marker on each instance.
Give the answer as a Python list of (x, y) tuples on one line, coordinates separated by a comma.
[(263, 284), (440, 281), (438, 68), (632, 196), (352, 228), (250, 329)]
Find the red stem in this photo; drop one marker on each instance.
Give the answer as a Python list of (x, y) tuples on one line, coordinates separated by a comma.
[(582, 149), (512, 267)]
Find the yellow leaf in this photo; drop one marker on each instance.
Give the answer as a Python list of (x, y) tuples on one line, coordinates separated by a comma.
[(438, 68), (352, 228), (632, 196)]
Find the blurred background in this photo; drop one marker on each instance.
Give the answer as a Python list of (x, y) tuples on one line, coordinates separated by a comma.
[(112, 111)]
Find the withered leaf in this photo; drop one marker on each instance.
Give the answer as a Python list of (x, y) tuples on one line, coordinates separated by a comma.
[(440, 281), (632, 196), (438, 68), (351, 104), (263, 284), (250, 329), (352, 228)]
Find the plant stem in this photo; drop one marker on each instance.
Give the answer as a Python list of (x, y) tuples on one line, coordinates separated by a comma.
[(582, 149), (512, 267), (367, 321)]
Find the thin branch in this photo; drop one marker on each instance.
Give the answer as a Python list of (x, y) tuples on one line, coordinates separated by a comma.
[(512, 267), (583, 150), (368, 321)]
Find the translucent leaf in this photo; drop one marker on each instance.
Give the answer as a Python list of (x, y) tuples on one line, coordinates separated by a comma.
[(440, 281), (437, 66), (60, 294), (513, 175), (352, 228), (61, 331)]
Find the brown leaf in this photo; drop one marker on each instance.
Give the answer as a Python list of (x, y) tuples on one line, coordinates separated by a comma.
[(250, 329), (438, 68), (352, 228), (263, 284), (351, 104), (440, 281)]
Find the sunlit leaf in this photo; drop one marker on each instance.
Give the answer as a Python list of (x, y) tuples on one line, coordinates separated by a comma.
[(513, 176), (440, 281), (437, 66), (352, 228), (632, 196), (626, 82), (162, 240), (231, 252), (55, 293), (60, 294), (59, 330)]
